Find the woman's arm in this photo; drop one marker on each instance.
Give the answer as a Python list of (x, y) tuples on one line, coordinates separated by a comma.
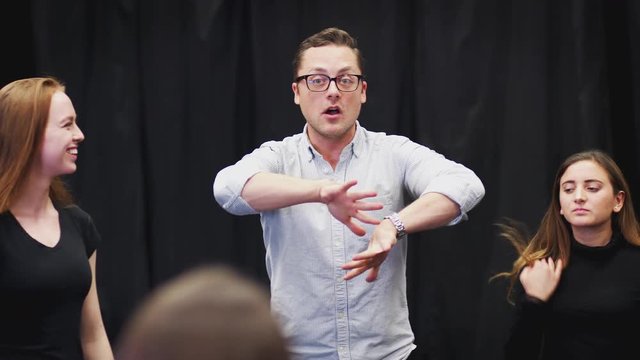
[(93, 336)]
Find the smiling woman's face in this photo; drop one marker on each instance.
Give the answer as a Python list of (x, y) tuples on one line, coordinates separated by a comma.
[(61, 138)]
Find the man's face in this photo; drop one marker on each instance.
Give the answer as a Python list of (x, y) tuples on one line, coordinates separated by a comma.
[(331, 114)]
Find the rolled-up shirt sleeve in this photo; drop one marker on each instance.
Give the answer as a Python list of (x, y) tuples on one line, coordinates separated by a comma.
[(427, 171), (229, 182), (462, 186)]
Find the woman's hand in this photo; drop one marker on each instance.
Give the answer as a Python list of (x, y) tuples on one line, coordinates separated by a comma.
[(541, 278)]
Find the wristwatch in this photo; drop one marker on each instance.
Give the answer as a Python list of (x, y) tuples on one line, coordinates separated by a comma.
[(399, 225)]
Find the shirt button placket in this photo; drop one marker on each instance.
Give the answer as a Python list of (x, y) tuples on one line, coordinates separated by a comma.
[(342, 325), (339, 258)]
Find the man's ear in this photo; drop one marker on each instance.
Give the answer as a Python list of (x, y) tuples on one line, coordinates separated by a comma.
[(296, 93), (363, 92)]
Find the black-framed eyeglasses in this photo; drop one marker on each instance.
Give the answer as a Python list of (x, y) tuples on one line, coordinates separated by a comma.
[(321, 82)]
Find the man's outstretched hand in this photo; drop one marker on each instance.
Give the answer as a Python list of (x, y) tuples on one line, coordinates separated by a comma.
[(382, 241), (345, 206)]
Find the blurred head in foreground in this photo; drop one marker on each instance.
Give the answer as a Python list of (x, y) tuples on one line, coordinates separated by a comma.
[(211, 312)]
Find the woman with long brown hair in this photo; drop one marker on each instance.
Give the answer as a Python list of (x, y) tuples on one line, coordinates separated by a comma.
[(50, 307), (576, 281)]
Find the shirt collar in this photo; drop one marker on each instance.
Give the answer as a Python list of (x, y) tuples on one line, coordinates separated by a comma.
[(355, 145)]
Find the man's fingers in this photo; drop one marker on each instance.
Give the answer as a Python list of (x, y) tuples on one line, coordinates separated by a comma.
[(373, 274), (355, 228), (366, 218), (366, 255), (353, 273), (353, 265), (348, 184), (361, 263), (366, 206), (359, 195)]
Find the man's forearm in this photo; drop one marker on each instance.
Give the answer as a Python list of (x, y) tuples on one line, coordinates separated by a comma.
[(430, 211), (267, 191)]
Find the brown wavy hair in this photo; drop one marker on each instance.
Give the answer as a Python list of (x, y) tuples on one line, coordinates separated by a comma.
[(24, 113), (553, 239)]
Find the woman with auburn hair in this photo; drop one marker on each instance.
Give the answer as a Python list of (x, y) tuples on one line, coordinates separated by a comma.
[(50, 307), (576, 282)]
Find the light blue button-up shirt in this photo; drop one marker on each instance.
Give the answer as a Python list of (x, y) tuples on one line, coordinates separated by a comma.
[(323, 316)]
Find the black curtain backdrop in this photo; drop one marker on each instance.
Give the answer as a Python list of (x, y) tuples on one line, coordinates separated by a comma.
[(169, 92)]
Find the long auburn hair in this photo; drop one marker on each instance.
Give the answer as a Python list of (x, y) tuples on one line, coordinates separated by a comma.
[(24, 113), (553, 237)]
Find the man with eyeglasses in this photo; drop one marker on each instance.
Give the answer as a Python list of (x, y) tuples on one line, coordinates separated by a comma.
[(332, 206)]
